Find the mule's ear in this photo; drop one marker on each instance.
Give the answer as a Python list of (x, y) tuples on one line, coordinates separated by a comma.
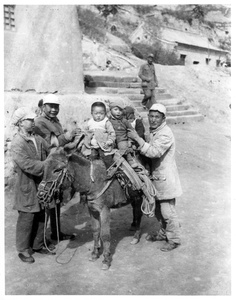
[(54, 141)]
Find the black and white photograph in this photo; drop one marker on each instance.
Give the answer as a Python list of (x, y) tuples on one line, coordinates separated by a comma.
[(117, 149)]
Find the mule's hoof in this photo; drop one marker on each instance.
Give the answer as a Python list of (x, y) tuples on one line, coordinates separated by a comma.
[(134, 241), (105, 267), (93, 258)]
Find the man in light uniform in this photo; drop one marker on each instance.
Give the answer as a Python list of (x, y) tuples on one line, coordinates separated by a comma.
[(149, 81), (161, 150)]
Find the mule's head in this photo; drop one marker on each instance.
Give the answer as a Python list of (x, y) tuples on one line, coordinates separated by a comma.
[(56, 162)]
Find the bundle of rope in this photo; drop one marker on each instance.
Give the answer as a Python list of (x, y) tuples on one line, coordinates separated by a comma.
[(149, 195), (139, 180)]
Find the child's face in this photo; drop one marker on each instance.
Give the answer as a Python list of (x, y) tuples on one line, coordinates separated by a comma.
[(117, 112), (98, 113), (131, 118)]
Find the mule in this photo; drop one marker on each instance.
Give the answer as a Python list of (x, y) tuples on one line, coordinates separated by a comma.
[(90, 178)]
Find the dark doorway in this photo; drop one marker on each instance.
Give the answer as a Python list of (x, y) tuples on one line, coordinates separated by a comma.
[(182, 59)]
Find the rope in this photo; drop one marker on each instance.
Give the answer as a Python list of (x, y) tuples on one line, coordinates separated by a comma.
[(149, 203)]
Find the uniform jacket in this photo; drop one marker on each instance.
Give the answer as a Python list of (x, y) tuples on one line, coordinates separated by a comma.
[(161, 150), (44, 126), (147, 72), (29, 166), (121, 127)]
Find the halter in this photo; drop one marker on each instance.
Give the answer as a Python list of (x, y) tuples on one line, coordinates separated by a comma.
[(49, 190)]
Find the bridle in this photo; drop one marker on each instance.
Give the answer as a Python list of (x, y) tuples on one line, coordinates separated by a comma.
[(49, 190)]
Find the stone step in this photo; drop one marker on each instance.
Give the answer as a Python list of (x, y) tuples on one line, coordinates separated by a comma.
[(177, 119), (182, 112), (114, 84), (105, 78), (185, 119), (110, 90), (167, 102), (158, 96), (178, 107)]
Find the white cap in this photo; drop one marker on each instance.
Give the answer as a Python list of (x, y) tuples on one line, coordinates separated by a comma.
[(21, 114), (158, 107), (50, 99)]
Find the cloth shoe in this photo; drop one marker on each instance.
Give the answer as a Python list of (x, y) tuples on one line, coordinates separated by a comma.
[(169, 246), (44, 251), (155, 238), (26, 258)]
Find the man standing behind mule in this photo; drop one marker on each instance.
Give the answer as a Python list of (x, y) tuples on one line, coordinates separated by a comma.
[(149, 81), (164, 173), (46, 124)]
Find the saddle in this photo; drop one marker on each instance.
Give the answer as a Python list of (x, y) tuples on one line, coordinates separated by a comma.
[(136, 179)]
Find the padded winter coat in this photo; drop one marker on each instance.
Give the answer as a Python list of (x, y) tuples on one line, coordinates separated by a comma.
[(161, 150), (29, 166)]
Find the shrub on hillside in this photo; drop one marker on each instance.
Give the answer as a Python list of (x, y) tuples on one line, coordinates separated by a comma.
[(143, 9), (161, 55), (122, 36), (91, 24)]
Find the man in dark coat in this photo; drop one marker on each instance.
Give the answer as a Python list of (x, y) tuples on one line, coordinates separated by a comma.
[(46, 124), (29, 152)]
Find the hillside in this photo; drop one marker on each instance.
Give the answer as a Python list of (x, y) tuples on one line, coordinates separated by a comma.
[(205, 87)]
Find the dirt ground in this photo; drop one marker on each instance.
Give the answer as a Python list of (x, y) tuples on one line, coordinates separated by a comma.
[(200, 266)]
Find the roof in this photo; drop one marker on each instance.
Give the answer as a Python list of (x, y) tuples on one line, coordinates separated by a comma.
[(182, 37)]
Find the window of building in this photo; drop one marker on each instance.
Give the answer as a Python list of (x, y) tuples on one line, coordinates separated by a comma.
[(196, 62), (208, 60), (9, 17)]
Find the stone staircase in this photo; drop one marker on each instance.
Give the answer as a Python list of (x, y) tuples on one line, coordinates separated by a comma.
[(130, 87)]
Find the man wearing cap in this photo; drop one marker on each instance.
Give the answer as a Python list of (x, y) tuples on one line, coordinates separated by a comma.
[(46, 124), (149, 81), (161, 150), (29, 152)]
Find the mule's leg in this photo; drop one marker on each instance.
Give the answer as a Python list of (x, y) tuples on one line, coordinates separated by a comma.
[(95, 223), (137, 216), (106, 237)]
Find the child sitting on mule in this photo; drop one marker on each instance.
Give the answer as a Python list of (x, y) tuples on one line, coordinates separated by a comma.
[(102, 133), (121, 127)]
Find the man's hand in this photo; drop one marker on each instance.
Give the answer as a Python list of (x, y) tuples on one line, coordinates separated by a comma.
[(69, 135), (133, 135), (107, 144)]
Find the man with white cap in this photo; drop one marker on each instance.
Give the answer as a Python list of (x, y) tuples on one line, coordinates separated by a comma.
[(149, 81), (161, 150), (29, 152), (46, 124)]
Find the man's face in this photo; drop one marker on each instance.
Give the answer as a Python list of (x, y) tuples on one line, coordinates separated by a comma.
[(51, 110), (155, 119), (117, 112), (150, 60), (98, 113), (27, 125)]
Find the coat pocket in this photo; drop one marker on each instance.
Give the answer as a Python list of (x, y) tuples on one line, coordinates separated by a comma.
[(26, 188)]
